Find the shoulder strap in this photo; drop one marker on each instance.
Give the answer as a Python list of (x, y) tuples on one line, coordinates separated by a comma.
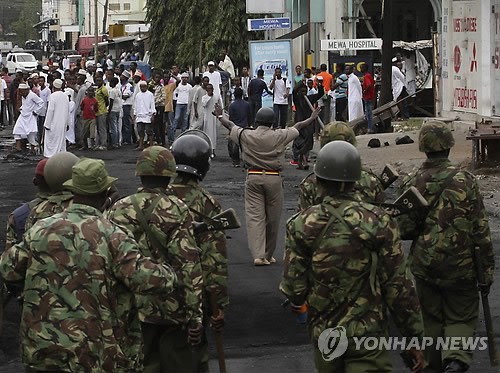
[(437, 197), (144, 217)]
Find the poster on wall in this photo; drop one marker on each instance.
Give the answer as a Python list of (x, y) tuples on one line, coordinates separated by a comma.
[(465, 52), (268, 55)]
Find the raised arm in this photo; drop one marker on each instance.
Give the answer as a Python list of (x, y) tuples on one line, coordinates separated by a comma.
[(220, 115), (308, 121)]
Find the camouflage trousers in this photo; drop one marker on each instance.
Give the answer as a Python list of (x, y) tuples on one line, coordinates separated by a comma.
[(448, 312), (166, 350), (354, 361)]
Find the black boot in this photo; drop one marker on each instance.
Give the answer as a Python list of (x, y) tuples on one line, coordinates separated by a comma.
[(455, 366)]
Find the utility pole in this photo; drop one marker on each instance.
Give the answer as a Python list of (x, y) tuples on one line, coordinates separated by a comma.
[(387, 37), (96, 32)]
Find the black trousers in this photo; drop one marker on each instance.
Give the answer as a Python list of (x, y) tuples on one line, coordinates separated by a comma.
[(341, 109)]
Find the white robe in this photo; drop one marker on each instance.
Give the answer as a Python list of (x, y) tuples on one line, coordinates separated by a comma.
[(26, 123), (398, 82), (70, 134), (56, 122), (209, 120), (355, 98)]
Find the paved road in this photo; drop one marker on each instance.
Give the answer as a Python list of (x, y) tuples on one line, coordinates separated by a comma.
[(260, 335)]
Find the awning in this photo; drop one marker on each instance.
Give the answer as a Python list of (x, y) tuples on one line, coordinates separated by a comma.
[(413, 45), (45, 22), (295, 33), (70, 28), (121, 39)]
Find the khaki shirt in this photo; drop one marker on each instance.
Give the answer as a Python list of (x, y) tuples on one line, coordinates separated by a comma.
[(263, 147), (169, 97)]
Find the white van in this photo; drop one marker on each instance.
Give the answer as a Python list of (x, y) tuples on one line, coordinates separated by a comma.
[(21, 61)]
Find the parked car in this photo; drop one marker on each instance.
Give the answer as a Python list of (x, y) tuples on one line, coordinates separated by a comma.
[(21, 61)]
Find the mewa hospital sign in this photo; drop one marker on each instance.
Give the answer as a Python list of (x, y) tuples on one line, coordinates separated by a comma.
[(351, 44)]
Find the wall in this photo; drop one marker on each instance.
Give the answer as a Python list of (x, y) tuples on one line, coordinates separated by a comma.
[(468, 73)]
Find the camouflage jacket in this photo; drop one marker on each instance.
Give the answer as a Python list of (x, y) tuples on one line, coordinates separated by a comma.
[(16, 229), (170, 239), (212, 243), (349, 269), (80, 272), (445, 234), (53, 204), (368, 189)]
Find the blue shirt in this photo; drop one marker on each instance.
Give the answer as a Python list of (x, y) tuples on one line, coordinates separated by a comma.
[(239, 112)]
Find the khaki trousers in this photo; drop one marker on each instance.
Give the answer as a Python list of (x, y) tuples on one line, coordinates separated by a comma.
[(263, 205)]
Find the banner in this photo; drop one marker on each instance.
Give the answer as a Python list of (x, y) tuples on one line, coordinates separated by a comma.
[(268, 55)]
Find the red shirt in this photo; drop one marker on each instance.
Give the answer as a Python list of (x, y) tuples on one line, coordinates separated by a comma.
[(89, 107), (368, 87)]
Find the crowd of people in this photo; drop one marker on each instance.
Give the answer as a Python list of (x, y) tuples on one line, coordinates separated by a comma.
[(109, 106), (131, 284)]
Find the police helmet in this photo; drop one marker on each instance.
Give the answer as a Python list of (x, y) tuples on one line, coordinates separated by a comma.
[(435, 136), (155, 161), (59, 169), (338, 161), (192, 155)]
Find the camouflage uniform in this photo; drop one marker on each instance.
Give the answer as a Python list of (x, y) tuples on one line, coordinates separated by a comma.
[(441, 253), (169, 238), (53, 204), (367, 189), (350, 270), (79, 272), (213, 248)]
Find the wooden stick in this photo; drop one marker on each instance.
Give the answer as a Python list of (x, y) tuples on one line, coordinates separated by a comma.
[(312, 108), (219, 346)]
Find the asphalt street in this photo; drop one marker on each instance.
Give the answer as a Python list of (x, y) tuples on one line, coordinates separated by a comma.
[(260, 335)]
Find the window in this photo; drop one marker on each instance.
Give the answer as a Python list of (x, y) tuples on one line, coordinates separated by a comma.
[(114, 6), (126, 6), (25, 58)]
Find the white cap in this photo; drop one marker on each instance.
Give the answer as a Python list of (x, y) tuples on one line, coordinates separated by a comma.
[(99, 70), (45, 68), (89, 63), (34, 76), (138, 73), (55, 64), (99, 65), (184, 75), (211, 63), (143, 82), (23, 86), (19, 71), (395, 59), (82, 72), (126, 74), (58, 83)]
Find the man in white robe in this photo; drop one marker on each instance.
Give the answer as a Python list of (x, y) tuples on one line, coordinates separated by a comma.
[(355, 95), (26, 123), (398, 82), (56, 121)]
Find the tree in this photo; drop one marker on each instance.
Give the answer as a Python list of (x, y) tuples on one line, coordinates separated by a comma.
[(180, 27), (28, 17)]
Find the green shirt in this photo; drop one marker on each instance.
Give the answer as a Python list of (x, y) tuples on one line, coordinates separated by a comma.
[(102, 96)]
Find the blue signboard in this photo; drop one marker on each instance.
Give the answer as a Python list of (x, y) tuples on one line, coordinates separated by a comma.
[(262, 24), (268, 55)]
